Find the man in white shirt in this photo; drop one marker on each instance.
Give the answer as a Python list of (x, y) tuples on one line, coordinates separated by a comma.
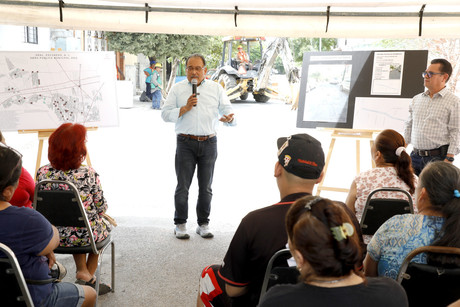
[(197, 118)]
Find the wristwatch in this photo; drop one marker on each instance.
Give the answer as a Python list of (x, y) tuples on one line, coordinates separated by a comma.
[(450, 159)]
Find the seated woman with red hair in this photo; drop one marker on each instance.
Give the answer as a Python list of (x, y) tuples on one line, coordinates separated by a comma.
[(66, 153)]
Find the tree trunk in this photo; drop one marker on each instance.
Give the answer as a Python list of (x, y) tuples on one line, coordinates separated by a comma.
[(172, 78), (120, 64)]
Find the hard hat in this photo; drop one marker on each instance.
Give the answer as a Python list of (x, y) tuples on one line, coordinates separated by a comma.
[(158, 65), (239, 46), (152, 62)]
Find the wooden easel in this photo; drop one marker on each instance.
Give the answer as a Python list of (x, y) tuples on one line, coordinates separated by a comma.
[(44, 134), (346, 133)]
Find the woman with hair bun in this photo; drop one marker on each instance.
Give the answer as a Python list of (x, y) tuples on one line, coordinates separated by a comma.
[(66, 153), (438, 223), (393, 169), (326, 246)]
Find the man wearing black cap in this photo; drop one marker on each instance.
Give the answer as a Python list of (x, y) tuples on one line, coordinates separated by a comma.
[(262, 232)]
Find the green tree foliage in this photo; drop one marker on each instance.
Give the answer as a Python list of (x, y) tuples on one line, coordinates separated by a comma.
[(166, 47), (303, 44), (160, 46), (399, 44), (437, 47), (214, 52)]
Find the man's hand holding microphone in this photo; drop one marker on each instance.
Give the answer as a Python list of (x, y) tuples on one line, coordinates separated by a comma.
[(192, 100)]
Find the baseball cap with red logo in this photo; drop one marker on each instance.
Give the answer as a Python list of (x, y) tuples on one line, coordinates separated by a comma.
[(301, 155)]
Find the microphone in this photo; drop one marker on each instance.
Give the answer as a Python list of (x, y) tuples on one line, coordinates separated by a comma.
[(194, 85)]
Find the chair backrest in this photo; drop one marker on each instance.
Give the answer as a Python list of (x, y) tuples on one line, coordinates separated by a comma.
[(13, 287), (62, 207), (430, 285), (378, 210), (278, 271)]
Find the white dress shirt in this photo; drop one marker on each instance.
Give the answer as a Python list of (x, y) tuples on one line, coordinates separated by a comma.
[(202, 119)]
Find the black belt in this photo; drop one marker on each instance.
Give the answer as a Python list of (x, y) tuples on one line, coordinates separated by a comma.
[(198, 138), (441, 151)]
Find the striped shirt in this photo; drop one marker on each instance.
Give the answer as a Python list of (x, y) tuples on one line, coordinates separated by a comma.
[(434, 122)]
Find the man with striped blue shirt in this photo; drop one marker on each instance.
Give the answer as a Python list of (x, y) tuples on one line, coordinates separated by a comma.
[(433, 126)]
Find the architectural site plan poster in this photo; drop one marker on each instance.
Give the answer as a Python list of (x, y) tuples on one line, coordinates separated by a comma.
[(42, 90)]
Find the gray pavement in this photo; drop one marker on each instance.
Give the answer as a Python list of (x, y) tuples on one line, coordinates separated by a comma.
[(153, 268), (136, 164)]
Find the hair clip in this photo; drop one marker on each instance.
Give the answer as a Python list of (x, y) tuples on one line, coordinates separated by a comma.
[(456, 194), (343, 231), (399, 150), (312, 202)]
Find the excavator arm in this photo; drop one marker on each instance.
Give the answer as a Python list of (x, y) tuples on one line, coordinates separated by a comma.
[(278, 47)]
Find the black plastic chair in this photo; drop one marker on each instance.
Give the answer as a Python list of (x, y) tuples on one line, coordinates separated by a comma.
[(430, 285), (378, 210), (13, 287), (278, 271), (64, 208)]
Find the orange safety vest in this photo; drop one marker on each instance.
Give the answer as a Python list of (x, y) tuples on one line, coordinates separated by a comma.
[(243, 56)]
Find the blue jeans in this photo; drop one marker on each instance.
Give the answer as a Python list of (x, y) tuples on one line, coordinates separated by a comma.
[(419, 162), (148, 89), (65, 294), (156, 99), (189, 154)]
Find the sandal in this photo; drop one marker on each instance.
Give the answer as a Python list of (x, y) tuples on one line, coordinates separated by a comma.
[(103, 288)]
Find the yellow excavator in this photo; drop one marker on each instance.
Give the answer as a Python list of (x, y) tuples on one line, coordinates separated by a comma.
[(240, 79)]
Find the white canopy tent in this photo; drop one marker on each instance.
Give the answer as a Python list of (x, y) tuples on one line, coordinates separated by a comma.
[(291, 18)]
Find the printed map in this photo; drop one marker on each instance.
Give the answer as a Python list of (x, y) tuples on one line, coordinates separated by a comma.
[(41, 90)]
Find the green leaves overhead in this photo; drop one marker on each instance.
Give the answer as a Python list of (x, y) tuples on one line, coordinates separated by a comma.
[(158, 45)]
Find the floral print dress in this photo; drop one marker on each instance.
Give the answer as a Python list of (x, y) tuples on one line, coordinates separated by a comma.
[(379, 177), (87, 182)]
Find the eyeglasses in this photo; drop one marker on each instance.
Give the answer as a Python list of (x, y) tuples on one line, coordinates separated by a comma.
[(430, 74), (191, 68)]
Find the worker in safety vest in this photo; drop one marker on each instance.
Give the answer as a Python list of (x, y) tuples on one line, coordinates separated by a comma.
[(242, 55)]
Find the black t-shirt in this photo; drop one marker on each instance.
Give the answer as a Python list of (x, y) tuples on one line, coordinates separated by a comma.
[(260, 234), (378, 292)]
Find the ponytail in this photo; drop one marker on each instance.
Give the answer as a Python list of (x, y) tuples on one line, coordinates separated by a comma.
[(392, 146), (404, 170)]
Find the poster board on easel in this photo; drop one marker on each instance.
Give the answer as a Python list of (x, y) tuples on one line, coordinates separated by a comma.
[(42, 90), (336, 85), (358, 91)]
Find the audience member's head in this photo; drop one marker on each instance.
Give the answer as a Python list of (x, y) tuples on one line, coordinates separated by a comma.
[(10, 170), (440, 181), (323, 238), (2, 139), (392, 147), (301, 155), (67, 149)]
